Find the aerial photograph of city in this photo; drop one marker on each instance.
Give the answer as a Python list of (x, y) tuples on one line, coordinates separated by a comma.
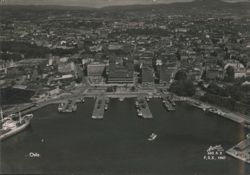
[(130, 87)]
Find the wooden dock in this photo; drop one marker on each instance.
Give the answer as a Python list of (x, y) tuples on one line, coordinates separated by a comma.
[(241, 151), (167, 104), (99, 108), (144, 108)]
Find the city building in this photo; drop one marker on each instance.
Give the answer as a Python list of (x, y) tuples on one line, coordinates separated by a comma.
[(66, 67), (166, 74), (147, 75), (119, 74), (95, 69)]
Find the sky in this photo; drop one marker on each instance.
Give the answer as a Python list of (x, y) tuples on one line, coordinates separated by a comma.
[(94, 3)]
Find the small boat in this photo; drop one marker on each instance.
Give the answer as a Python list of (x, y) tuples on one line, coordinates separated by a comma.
[(106, 107), (82, 100), (216, 111), (61, 106), (172, 102), (248, 136), (137, 104), (139, 113), (204, 109), (152, 137)]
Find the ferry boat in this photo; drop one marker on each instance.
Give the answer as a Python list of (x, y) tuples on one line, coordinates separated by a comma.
[(152, 137), (13, 124)]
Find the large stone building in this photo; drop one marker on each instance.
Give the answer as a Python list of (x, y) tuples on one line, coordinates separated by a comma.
[(67, 67), (119, 74), (147, 75), (95, 69), (167, 74), (239, 69)]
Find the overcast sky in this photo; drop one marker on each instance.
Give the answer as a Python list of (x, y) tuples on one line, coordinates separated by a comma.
[(95, 3)]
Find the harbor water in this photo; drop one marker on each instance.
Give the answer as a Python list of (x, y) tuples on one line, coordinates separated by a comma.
[(74, 143)]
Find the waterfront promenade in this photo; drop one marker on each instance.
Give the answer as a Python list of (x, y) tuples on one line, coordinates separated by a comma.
[(234, 116), (29, 107)]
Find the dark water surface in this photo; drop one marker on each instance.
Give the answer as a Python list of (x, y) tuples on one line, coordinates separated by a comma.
[(14, 96), (76, 144)]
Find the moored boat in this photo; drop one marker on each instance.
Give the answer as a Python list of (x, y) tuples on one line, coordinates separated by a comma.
[(13, 124)]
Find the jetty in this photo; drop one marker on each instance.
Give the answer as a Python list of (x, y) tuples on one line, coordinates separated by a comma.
[(99, 108), (168, 104), (143, 108), (241, 151), (67, 106)]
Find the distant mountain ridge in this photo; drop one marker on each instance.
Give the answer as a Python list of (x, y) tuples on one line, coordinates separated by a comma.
[(199, 4), (181, 6)]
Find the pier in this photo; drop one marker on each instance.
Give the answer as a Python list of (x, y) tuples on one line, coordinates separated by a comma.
[(99, 108), (144, 108), (67, 106), (241, 151), (168, 104)]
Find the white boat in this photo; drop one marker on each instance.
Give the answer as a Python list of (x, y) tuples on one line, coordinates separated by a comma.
[(248, 136), (61, 106), (10, 125), (139, 113), (137, 104), (106, 107), (152, 137), (204, 109), (216, 111)]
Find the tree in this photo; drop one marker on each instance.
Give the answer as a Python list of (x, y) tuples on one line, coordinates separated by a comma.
[(230, 73), (180, 75), (183, 88)]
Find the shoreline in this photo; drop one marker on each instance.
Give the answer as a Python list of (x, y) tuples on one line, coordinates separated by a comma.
[(233, 116), (240, 119), (33, 106)]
